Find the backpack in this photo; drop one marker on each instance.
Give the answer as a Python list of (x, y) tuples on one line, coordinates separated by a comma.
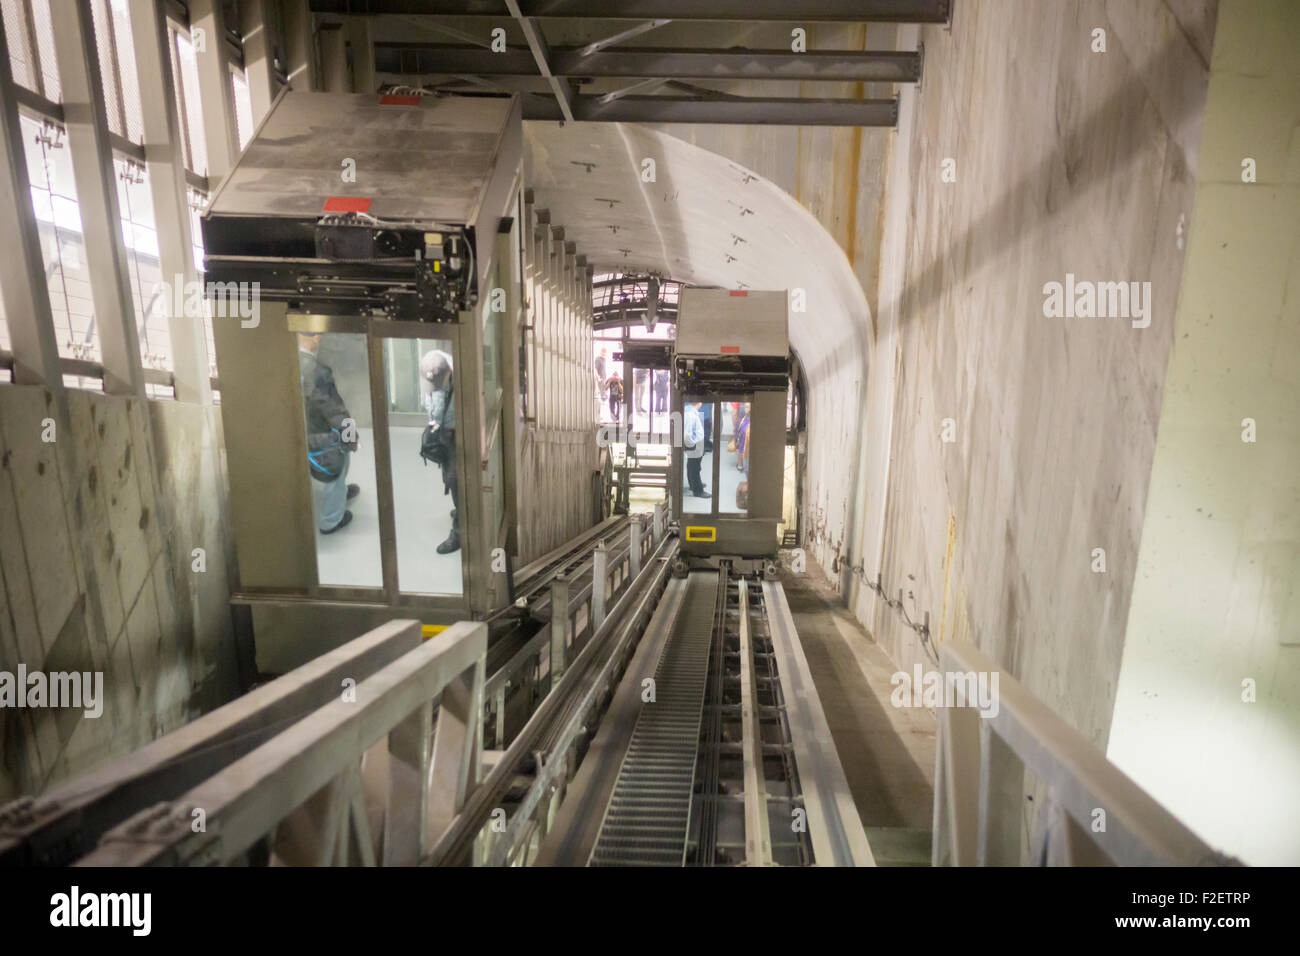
[(433, 446)]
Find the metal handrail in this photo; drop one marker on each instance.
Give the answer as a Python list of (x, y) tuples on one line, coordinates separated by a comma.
[(430, 770), (1096, 814)]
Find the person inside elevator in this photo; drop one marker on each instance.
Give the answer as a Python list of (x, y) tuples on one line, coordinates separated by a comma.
[(331, 435), (439, 441), (742, 440), (692, 448)]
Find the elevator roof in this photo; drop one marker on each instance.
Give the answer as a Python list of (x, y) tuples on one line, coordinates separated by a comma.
[(421, 158)]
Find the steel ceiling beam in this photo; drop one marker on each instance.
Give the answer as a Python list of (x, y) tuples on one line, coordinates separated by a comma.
[(627, 34), (756, 111), (879, 66), (537, 45), (640, 86), (800, 11)]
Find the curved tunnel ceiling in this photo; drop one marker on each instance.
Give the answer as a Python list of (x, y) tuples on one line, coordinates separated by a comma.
[(703, 220)]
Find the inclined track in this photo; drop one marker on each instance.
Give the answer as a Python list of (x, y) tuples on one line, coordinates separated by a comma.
[(648, 817)]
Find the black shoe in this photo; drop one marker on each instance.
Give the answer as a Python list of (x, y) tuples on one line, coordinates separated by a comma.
[(343, 522), (451, 544), (353, 491)]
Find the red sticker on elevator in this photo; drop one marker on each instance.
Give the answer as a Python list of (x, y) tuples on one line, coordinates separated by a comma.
[(347, 204), (733, 349)]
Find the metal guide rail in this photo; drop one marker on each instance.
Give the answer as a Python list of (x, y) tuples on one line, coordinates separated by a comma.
[(728, 762), (527, 780)]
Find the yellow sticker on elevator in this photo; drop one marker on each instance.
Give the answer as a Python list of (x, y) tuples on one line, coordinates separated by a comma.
[(701, 533)]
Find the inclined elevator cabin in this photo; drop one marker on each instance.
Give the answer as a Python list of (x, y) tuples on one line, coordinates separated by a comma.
[(378, 230)]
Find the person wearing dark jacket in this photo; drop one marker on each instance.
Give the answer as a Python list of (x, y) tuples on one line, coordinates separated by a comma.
[(615, 387), (331, 436)]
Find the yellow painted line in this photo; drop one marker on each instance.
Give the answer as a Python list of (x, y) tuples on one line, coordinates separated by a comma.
[(701, 533), (429, 630)]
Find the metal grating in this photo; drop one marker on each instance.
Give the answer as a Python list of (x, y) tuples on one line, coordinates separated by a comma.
[(108, 77), (42, 23), (648, 817), (18, 39), (127, 73)]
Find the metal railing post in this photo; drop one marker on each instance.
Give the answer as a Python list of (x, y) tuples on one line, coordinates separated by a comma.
[(599, 581), (559, 627), (634, 553)]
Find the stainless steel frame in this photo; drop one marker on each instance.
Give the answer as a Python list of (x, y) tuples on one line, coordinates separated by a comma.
[(838, 837), (66, 822), (980, 762), (314, 765)]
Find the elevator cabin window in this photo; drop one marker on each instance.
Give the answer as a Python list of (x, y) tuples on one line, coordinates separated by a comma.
[(721, 457), (341, 458), (697, 456), (422, 437)]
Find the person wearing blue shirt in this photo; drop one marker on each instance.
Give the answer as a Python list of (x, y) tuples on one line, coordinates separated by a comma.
[(693, 446)]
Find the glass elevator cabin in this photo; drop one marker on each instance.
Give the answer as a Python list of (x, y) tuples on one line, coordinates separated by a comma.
[(376, 238), (731, 374)]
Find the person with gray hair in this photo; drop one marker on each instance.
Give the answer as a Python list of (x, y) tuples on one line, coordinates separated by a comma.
[(439, 442)]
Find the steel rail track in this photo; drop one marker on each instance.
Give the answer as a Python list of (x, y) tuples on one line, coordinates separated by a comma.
[(555, 716), (647, 820)]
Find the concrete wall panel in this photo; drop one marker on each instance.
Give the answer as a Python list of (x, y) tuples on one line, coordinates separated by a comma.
[(97, 575)]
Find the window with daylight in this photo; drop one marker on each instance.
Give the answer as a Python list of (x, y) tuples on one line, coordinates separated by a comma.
[(144, 273), (58, 221), (185, 68), (243, 107), (619, 298)]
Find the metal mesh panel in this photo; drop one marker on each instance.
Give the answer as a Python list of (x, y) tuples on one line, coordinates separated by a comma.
[(187, 84), (44, 36), (128, 78), (197, 203), (243, 108), (4, 332), (108, 67), (19, 38)]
